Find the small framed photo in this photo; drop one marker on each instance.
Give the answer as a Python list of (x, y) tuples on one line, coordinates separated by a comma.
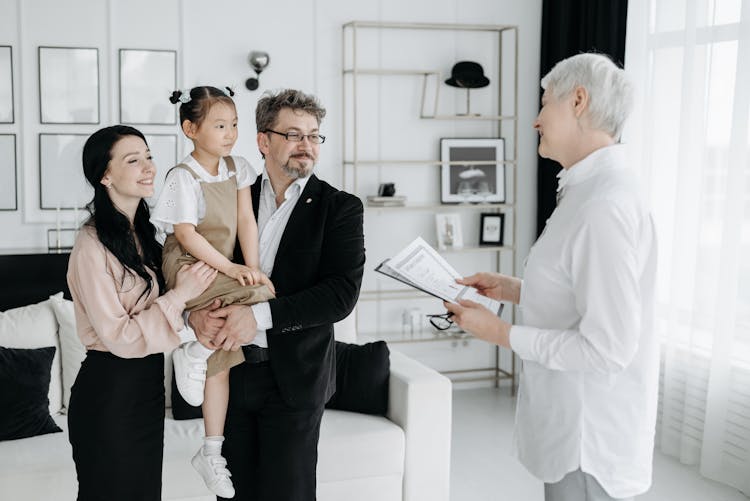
[(6, 85), (449, 234), (147, 78), (491, 228), (472, 170), (68, 85)]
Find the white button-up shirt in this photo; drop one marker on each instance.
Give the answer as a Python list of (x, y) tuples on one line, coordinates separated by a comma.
[(272, 221), (589, 381)]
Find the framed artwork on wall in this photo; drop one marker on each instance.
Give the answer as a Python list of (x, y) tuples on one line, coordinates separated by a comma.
[(61, 181), (68, 85), (164, 154), (8, 173), (6, 85), (147, 78), (491, 228), (472, 170), (449, 233)]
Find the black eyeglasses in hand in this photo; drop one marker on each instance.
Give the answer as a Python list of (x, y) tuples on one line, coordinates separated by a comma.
[(442, 321)]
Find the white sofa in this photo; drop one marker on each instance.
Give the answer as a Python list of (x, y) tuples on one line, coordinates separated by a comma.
[(404, 456)]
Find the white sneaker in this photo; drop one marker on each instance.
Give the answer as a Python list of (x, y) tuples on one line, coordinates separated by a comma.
[(190, 375), (215, 474)]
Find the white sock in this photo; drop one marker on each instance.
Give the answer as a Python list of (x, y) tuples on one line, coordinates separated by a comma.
[(197, 350), (212, 445)]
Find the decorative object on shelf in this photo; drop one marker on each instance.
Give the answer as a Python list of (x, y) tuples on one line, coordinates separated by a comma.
[(392, 201), (258, 61), (147, 77), (472, 170), (61, 239), (411, 321), (61, 181), (68, 85), (468, 75), (8, 173), (6, 85), (386, 189), (449, 234), (491, 228), (163, 149)]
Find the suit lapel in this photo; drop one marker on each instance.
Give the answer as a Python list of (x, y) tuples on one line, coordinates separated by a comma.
[(302, 216)]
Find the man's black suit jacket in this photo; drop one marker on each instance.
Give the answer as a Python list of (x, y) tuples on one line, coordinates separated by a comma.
[(317, 274)]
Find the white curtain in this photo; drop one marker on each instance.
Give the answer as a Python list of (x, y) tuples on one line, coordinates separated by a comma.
[(690, 60)]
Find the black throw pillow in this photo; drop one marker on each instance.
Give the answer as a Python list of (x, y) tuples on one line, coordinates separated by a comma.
[(362, 373), (24, 384), (181, 409)]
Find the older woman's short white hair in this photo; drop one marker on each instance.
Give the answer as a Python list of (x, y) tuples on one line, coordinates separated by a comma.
[(610, 91)]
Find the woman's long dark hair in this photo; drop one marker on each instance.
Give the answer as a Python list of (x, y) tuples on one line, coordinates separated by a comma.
[(112, 226)]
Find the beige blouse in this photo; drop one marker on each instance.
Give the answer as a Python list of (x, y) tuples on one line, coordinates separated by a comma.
[(109, 314)]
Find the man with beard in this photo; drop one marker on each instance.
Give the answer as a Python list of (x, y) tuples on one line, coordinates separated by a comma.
[(312, 248)]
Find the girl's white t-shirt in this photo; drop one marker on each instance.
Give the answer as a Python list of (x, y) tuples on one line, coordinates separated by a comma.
[(181, 199)]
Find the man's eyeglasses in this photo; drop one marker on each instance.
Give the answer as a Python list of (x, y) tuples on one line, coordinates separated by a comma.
[(441, 322), (296, 137)]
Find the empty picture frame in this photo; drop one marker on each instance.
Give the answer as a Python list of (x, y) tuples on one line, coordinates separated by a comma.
[(472, 170), (164, 154), (8, 173), (68, 85), (147, 78), (61, 181), (6, 85)]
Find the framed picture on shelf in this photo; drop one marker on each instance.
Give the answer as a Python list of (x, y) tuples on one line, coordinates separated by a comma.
[(8, 172), (6, 85), (147, 78), (61, 181), (68, 85), (491, 228), (449, 234), (472, 170)]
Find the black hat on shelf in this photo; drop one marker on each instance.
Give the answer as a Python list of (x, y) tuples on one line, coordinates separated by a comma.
[(467, 75)]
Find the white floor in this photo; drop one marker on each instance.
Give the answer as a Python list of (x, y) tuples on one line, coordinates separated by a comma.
[(482, 468)]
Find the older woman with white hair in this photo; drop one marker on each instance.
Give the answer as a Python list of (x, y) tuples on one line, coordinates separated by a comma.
[(587, 399)]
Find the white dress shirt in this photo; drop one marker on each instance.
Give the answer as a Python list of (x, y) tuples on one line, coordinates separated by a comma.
[(589, 380), (272, 221)]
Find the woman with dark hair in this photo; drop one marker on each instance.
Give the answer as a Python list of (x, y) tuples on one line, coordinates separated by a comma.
[(116, 412)]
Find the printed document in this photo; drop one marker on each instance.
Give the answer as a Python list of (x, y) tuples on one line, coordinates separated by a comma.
[(421, 267)]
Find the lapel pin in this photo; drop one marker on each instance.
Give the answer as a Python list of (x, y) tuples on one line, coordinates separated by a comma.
[(308, 200)]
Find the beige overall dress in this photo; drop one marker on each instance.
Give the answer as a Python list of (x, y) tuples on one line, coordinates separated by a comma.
[(219, 228)]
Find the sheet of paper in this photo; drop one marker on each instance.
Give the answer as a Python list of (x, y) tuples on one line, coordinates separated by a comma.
[(420, 264)]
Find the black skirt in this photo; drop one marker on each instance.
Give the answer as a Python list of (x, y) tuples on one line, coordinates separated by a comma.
[(116, 427)]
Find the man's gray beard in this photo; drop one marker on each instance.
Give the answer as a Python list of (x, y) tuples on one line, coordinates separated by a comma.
[(295, 173)]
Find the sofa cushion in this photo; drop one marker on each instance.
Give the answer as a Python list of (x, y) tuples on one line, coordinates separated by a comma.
[(24, 379), (362, 373), (72, 351), (35, 326)]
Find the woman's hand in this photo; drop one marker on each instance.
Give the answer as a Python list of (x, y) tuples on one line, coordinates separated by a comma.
[(495, 286), (192, 280), (479, 321)]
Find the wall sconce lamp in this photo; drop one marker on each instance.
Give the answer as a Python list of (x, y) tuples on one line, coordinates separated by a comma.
[(258, 61)]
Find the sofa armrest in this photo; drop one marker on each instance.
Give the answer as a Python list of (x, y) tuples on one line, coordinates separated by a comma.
[(419, 402)]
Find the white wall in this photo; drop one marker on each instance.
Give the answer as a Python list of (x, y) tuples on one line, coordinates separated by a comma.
[(213, 40)]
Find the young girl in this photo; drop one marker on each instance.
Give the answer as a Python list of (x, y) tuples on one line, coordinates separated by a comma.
[(204, 207), (126, 323)]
